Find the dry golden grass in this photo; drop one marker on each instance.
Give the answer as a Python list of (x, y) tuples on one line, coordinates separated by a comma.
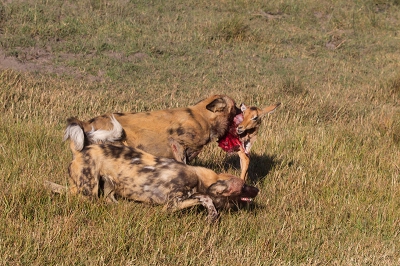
[(327, 162)]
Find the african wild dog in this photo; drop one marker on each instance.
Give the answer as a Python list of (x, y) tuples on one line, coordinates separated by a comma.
[(243, 133), (191, 127), (136, 175)]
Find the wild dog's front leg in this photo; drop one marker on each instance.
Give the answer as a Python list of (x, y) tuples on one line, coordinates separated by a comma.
[(207, 202), (244, 163), (181, 204), (196, 199)]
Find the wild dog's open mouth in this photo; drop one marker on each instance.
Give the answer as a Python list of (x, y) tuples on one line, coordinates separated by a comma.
[(231, 142), (246, 199), (248, 193)]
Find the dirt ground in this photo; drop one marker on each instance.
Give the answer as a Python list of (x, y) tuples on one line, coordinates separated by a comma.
[(34, 60), (30, 61)]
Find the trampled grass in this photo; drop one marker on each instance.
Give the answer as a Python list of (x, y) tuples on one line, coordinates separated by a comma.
[(327, 161)]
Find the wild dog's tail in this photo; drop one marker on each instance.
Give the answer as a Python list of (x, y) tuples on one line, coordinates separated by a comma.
[(101, 136), (75, 131)]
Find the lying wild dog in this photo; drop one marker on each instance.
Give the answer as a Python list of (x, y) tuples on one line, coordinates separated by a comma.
[(191, 127), (243, 133), (136, 175)]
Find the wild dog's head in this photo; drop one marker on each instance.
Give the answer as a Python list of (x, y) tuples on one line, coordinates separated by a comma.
[(220, 111), (231, 192)]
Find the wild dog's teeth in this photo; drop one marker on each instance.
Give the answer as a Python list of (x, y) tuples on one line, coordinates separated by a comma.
[(246, 199)]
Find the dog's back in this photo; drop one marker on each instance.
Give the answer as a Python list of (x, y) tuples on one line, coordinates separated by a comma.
[(192, 127)]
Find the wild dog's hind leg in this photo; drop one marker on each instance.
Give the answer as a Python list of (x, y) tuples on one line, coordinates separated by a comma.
[(109, 190), (84, 179), (55, 188), (73, 171)]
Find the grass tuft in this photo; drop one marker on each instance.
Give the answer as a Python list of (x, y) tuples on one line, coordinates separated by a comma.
[(234, 29), (394, 87)]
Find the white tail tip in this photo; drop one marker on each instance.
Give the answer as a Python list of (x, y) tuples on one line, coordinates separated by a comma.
[(115, 134), (75, 134)]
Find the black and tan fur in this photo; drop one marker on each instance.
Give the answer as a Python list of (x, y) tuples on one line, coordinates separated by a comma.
[(191, 127), (136, 175)]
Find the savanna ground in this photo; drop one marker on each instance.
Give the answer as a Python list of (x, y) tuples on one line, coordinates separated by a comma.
[(327, 162)]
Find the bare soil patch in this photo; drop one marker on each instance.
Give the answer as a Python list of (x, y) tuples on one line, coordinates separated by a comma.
[(37, 60)]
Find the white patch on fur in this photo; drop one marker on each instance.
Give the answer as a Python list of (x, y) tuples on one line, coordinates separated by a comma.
[(164, 164), (75, 133), (135, 160), (99, 136), (167, 162), (152, 168), (247, 147)]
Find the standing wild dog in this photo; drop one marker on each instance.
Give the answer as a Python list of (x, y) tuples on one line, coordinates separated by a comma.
[(243, 133), (156, 131), (136, 175)]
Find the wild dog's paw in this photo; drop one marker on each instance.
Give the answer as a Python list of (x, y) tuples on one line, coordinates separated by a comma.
[(207, 202)]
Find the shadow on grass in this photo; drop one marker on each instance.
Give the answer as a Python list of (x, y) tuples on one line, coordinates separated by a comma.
[(260, 165)]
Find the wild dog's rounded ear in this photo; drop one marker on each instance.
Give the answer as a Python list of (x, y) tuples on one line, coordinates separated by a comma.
[(218, 188), (218, 105)]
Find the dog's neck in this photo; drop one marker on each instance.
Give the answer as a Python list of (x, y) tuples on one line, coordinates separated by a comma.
[(206, 177)]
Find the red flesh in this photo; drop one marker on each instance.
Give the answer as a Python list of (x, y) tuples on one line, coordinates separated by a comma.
[(231, 142)]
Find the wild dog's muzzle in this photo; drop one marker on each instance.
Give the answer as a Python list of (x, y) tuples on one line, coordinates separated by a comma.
[(248, 193)]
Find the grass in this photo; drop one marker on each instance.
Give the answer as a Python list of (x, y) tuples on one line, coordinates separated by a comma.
[(327, 162)]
